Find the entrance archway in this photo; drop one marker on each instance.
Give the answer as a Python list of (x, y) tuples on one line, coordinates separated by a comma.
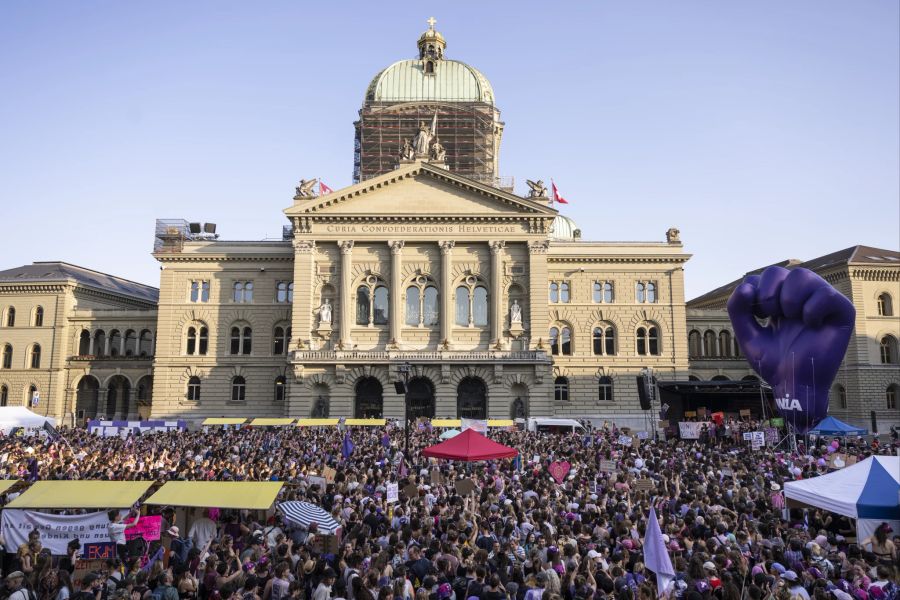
[(144, 396), (369, 403), (87, 396), (420, 398), (118, 396), (471, 399)]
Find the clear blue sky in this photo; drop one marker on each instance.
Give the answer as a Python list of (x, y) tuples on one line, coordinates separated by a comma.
[(763, 130)]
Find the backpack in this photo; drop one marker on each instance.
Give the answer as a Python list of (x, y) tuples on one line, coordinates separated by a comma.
[(180, 549), (157, 594)]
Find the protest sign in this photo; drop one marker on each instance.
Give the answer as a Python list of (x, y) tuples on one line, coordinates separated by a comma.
[(464, 487), (55, 530), (436, 478), (701, 411), (745, 412), (663, 424), (690, 430), (148, 528), (83, 567), (99, 551), (624, 440), (690, 413), (608, 466), (643, 485), (757, 439), (393, 493), (643, 435), (411, 491), (329, 474)]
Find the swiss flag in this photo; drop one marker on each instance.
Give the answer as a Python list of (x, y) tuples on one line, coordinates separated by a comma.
[(324, 189), (556, 196)]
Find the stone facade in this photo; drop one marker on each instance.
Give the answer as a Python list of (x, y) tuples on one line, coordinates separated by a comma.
[(52, 304), (869, 378)]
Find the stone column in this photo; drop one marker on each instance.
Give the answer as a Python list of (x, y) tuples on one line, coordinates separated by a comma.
[(496, 314), (446, 291), (538, 318), (347, 304), (301, 308), (395, 293), (101, 403)]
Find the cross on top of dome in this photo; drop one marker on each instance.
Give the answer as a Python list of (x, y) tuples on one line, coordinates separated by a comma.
[(431, 43)]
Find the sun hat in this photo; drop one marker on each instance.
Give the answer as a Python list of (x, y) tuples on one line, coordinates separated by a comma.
[(789, 575)]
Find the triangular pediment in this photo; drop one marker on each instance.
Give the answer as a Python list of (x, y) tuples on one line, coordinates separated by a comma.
[(423, 190)]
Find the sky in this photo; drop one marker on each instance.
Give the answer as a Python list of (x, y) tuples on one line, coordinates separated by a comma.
[(763, 130)]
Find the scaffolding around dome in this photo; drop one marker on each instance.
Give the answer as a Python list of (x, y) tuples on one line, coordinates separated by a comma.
[(430, 89)]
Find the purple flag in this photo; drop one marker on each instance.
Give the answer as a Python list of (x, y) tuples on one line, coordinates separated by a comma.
[(347, 446), (656, 557)]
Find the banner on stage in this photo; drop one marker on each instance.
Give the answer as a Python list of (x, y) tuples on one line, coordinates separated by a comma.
[(690, 430), (123, 428), (56, 530)]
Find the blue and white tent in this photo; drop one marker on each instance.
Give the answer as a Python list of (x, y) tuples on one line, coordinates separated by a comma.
[(835, 427), (868, 491)]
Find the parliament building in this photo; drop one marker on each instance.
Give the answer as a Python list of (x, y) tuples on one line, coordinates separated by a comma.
[(429, 268)]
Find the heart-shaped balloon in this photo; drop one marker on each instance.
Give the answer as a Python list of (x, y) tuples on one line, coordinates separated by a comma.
[(559, 470)]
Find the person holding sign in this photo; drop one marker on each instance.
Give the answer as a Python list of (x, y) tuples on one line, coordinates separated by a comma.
[(117, 531)]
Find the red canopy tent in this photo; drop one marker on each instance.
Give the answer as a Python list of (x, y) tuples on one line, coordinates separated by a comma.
[(470, 446)]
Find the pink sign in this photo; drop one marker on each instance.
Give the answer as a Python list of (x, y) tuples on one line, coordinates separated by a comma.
[(559, 470), (148, 528)]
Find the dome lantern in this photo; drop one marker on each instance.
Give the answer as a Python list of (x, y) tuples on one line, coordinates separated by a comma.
[(431, 46)]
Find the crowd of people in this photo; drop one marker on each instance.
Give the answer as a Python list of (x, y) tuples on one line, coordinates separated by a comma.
[(519, 535)]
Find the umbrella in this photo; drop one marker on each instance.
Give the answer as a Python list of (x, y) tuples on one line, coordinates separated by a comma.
[(304, 513), (449, 434)]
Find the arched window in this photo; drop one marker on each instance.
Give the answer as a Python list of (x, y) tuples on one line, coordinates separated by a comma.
[(608, 295), (202, 341), (115, 342), (648, 340), (372, 302), (890, 396), (639, 291), (430, 308), (598, 292), (238, 389), (7, 356), (462, 306), (32, 392), (11, 316), (191, 347), (885, 305), (561, 389), (100, 343), (279, 337), (39, 316), (888, 350), (838, 397), (145, 343), (280, 385), (291, 292), (564, 292), (197, 340), (242, 291), (566, 341), (720, 378), (605, 389), (604, 338), (35, 356), (413, 312), (725, 344), (84, 343), (709, 344), (554, 291), (480, 307), (554, 340), (241, 340), (281, 291), (737, 347), (651, 292), (130, 342), (694, 344), (4, 395), (193, 389)]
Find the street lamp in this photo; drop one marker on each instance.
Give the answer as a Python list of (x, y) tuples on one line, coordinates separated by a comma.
[(402, 387)]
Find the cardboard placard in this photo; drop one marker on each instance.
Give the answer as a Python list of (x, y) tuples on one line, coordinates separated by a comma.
[(316, 480), (726, 472), (643, 435), (83, 567), (745, 412), (608, 466), (701, 411), (329, 474), (393, 493), (624, 440), (464, 487), (411, 491), (643, 485), (436, 478), (636, 443), (663, 424), (690, 413)]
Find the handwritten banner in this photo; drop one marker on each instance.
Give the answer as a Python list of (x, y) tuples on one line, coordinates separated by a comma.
[(148, 528), (690, 430), (56, 530)]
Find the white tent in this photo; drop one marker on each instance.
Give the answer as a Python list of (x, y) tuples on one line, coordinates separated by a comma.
[(19, 416), (868, 491)]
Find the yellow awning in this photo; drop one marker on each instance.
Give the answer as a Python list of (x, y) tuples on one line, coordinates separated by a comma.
[(5, 484), (316, 422), (261, 422), (252, 495), (366, 422), (500, 423), (225, 421), (446, 423), (81, 494)]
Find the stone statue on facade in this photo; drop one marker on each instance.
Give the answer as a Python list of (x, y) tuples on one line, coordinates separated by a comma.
[(305, 188), (422, 141), (325, 313), (320, 410), (538, 189), (438, 152), (515, 312), (518, 409), (673, 236), (407, 152)]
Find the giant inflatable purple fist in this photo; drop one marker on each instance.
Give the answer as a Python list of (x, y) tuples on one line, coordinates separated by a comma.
[(800, 349)]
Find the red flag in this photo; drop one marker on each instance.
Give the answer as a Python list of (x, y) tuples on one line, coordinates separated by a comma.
[(324, 189), (556, 196)]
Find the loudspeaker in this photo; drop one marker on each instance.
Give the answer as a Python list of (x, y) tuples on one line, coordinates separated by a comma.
[(874, 423), (643, 384), (399, 388), (194, 227), (209, 228)]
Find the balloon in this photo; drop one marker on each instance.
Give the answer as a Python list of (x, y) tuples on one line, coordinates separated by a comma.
[(831, 449), (835, 444), (799, 350), (821, 462)]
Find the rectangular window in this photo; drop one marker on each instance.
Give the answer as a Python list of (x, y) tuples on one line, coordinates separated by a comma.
[(199, 290)]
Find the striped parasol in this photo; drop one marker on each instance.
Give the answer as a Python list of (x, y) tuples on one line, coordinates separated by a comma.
[(304, 513)]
